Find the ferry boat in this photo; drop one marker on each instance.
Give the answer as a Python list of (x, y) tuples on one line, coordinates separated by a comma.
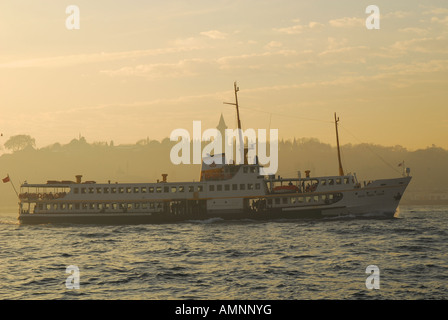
[(226, 191)]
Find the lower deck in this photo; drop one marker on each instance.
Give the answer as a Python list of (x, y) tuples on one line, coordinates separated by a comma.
[(180, 207)]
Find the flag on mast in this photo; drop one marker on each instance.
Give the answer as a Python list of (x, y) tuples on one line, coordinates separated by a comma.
[(7, 179)]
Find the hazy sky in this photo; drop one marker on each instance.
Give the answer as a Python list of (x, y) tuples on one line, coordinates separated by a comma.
[(138, 69)]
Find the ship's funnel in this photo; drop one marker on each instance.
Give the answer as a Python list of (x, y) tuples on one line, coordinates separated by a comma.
[(164, 175), (78, 178)]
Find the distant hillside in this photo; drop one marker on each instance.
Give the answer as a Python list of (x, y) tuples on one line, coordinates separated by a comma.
[(146, 160)]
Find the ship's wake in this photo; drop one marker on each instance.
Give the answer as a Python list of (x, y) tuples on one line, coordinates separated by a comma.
[(9, 221), (206, 221)]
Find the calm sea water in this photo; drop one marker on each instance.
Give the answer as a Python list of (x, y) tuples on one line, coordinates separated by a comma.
[(297, 259)]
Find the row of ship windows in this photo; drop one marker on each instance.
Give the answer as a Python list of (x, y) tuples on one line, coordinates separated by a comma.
[(331, 182), (100, 206), (327, 198), (234, 187), (166, 189), (158, 205)]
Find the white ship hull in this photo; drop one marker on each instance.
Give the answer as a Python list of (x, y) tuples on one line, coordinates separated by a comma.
[(375, 199), (379, 198)]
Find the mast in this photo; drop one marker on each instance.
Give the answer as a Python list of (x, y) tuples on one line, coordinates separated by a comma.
[(236, 104), (240, 134), (336, 120)]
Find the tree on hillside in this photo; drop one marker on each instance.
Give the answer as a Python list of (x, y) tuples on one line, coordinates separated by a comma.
[(20, 142), (142, 142)]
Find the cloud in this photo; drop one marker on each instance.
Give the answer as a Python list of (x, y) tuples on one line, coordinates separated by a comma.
[(253, 60), (298, 28), (183, 68), (396, 75), (181, 12), (443, 21), (435, 11), (291, 30), (315, 25), (214, 34), (72, 60), (334, 43), (347, 22), (397, 14), (274, 45), (422, 45), (416, 68), (194, 67), (345, 50), (414, 30)]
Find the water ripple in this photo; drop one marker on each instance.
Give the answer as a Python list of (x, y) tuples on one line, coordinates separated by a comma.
[(217, 259)]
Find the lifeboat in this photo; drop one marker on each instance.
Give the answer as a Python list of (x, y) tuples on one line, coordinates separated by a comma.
[(286, 189)]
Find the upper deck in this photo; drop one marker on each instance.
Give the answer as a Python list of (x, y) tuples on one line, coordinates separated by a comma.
[(244, 181)]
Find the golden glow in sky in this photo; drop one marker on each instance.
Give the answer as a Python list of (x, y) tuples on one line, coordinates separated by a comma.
[(137, 69)]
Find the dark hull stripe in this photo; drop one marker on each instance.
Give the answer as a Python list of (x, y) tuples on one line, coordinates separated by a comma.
[(168, 218)]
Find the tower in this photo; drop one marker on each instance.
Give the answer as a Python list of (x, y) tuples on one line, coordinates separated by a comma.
[(222, 126)]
